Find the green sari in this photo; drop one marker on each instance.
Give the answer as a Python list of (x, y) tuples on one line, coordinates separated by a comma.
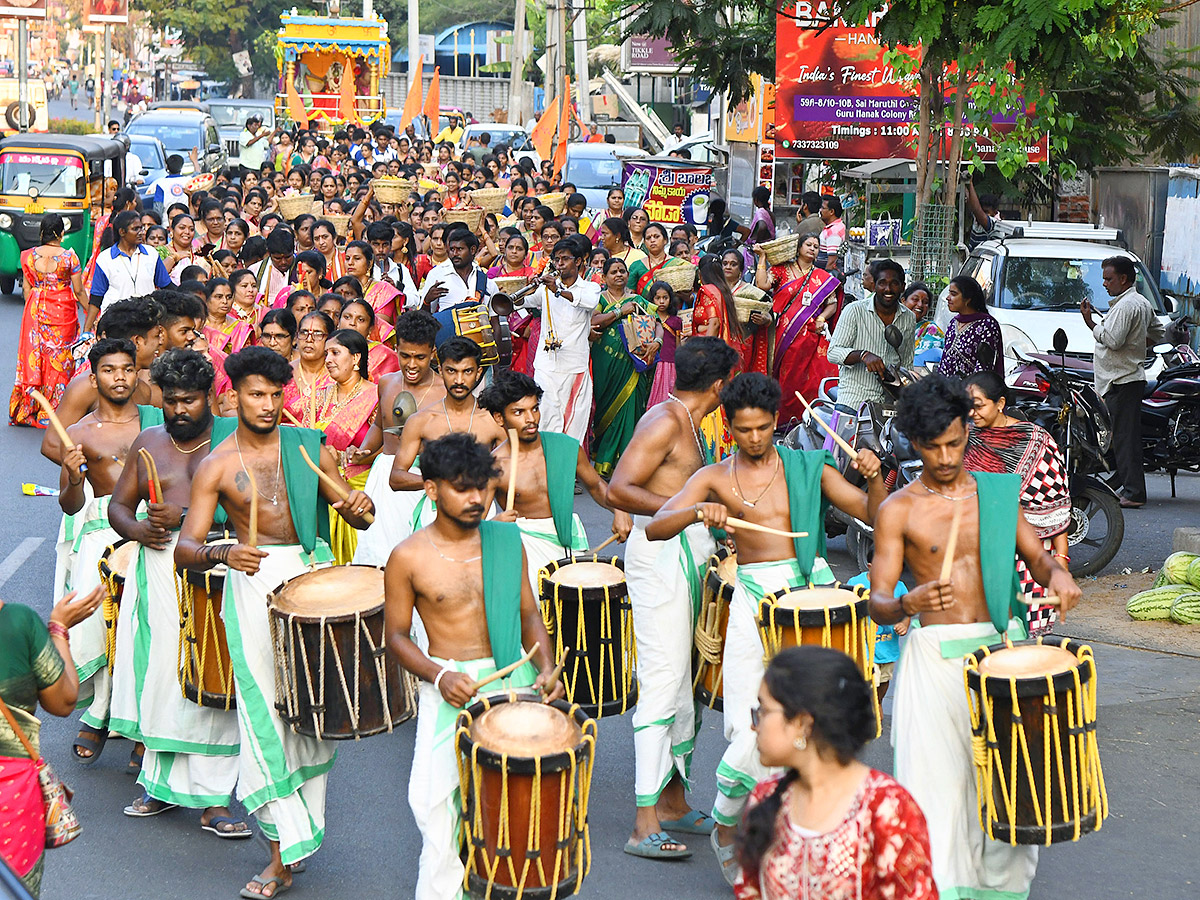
[(620, 392)]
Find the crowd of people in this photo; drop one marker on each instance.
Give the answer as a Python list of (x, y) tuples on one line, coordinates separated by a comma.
[(224, 338)]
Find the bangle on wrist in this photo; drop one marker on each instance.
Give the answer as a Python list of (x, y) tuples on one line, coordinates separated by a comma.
[(1061, 556), (437, 681), (57, 629)]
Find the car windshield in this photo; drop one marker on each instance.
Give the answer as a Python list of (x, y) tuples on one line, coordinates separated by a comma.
[(1056, 284), (176, 138), (230, 115), (594, 172), (513, 138), (149, 153), (53, 175)]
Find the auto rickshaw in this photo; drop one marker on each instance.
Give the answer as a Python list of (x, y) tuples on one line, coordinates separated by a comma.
[(53, 174)]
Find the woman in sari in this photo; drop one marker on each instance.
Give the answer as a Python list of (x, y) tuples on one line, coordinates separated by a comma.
[(637, 219), (615, 238), (53, 290), (309, 376), (762, 223), (804, 300), (358, 315), (970, 330), (621, 380), (645, 272), (224, 332), (1000, 443), (236, 233), (245, 298), (382, 296), (324, 237), (346, 410), (307, 274), (525, 325), (759, 331), (716, 316)]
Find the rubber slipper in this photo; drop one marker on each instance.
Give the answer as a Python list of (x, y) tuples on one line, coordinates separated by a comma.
[(92, 739), (694, 822), (150, 807), (135, 759), (297, 868), (276, 884), (724, 856), (652, 847), (216, 821)]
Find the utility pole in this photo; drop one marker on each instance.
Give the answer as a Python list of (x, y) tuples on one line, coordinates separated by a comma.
[(516, 84), (97, 78), (107, 74), (579, 34), (22, 75), (551, 74), (560, 21), (414, 43)]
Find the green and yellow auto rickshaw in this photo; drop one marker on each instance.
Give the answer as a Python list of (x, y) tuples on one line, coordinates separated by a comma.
[(53, 174)]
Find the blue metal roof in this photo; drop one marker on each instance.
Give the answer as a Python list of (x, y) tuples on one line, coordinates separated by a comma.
[(443, 42)]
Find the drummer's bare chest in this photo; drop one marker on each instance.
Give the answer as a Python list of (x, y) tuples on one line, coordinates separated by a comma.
[(451, 589)]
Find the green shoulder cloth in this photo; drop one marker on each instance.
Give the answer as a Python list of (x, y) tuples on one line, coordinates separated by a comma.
[(503, 577), (149, 416), (222, 427), (562, 456), (999, 506), (310, 511), (802, 470)]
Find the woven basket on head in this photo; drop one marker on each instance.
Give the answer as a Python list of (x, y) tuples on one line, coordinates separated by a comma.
[(341, 224), (681, 276), (781, 250), (471, 216), (745, 306), (391, 190), (292, 205), (490, 199), (425, 185), (557, 201)]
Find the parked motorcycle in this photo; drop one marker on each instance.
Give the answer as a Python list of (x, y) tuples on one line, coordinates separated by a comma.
[(1171, 413)]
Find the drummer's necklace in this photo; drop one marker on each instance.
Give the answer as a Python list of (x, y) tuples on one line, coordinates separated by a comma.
[(444, 556), (274, 498), (947, 496), (446, 413), (737, 487), (692, 422)]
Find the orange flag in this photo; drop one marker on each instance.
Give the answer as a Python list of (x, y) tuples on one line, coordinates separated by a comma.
[(347, 99), (295, 106), (564, 128), (543, 132), (412, 103), (433, 101)]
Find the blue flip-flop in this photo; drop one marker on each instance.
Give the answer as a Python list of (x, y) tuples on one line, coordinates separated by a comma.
[(215, 823), (652, 847), (694, 822)]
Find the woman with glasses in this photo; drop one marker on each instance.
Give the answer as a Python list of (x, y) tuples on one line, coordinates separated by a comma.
[(302, 394), (278, 332)]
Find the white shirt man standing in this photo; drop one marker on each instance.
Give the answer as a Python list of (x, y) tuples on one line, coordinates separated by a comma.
[(457, 279), (561, 365), (255, 142), (127, 269)]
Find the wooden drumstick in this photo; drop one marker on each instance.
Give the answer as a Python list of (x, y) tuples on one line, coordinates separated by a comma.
[(507, 670), (605, 544), (155, 486), (512, 472), (837, 438), (332, 484), (951, 544), (55, 422), (312, 405), (735, 524), (548, 687), (295, 421), (253, 542)]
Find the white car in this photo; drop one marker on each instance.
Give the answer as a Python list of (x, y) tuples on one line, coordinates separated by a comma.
[(516, 138), (1034, 286)]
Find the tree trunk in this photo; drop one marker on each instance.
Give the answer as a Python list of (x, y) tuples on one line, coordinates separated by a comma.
[(954, 152), (247, 81)]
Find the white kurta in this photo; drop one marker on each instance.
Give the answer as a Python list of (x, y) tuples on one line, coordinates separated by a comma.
[(93, 535)]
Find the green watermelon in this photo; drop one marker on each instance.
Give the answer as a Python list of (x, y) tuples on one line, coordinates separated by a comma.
[(1155, 604), (1193, 573), (1177, 566), (1186, 609), (1160, 579)]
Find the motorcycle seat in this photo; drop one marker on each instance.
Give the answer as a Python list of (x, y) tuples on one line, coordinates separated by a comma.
[(1151, 387)]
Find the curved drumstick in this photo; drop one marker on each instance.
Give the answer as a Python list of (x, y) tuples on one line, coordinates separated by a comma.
[(837, 438), (507, 670), (548, 687), (735, 524), (331, 484), (55, 422), (155, 486), (253, 507), (512, 472), (295, 421)]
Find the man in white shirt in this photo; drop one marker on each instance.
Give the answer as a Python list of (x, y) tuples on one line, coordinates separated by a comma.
[(255, 142), (383, 151), (561, 364), (458, 279), (127, 269), (170, 188)]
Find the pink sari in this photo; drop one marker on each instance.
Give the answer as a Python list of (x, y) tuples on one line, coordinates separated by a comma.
[(230, 337), (382, 297), (347, 425)]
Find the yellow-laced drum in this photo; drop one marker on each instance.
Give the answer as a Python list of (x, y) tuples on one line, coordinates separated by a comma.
[(1037, 756), (525, 770), (709, 637), (205, 671), (115, 563), (333, 678), (585, 605), (829, 616)]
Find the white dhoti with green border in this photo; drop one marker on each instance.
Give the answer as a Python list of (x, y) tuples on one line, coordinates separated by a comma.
[(397, 513), (741, 673), (665, 581), (433, 786), (64, 546), (931, 733), (191, 750), (543, 547), (93, 535), (281, 775)]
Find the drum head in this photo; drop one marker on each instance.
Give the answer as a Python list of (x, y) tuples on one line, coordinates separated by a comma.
[(120, 560), (727, 568), (587, 574), (525, 728), (333, 592), (1029, 661), (816, 598)]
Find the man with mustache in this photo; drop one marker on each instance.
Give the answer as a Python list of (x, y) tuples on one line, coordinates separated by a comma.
[(281, 775), (102, 440), (191, 750), (466, 579)]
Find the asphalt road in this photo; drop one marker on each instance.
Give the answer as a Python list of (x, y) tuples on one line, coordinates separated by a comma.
[(1149, 717)]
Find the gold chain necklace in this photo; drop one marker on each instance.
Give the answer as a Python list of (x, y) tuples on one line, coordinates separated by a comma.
[(329, 412), (274, 498), (737, 487), (194, 449)]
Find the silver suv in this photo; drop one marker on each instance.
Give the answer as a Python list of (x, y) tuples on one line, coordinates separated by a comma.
[(186, 132)]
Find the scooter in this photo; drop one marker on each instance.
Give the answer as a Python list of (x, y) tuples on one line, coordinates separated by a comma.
[(1171, 413)]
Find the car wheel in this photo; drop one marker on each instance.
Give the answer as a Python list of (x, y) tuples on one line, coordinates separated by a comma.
[(8, 284)]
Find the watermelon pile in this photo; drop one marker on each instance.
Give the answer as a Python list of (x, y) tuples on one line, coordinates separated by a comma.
[(1175, 594)]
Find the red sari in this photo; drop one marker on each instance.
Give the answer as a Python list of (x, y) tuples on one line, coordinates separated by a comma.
[(711, 305), (801, 351), (49, 327), (525, 326), (381, 360)]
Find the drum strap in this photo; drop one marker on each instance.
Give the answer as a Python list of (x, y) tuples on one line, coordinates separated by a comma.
[(561, 452), (503, 574), (802, 469)]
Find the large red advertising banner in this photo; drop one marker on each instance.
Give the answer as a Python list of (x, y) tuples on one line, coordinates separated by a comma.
[(838, 98)]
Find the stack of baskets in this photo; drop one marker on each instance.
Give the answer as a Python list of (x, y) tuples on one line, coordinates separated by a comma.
[(292, 205), (489, 199), (681, 276), (781, 250), (749, 299)]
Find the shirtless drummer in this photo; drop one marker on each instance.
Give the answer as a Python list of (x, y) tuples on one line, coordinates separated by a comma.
[(665, 581), (475, 627), (977, 606)]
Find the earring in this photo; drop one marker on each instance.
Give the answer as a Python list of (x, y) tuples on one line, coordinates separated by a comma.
[(801, 743)]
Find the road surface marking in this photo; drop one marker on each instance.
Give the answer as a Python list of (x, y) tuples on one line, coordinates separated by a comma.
[(17, 558)]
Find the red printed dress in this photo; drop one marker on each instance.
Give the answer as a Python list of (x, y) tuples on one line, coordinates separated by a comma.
[(49, 327), (880, 851)]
